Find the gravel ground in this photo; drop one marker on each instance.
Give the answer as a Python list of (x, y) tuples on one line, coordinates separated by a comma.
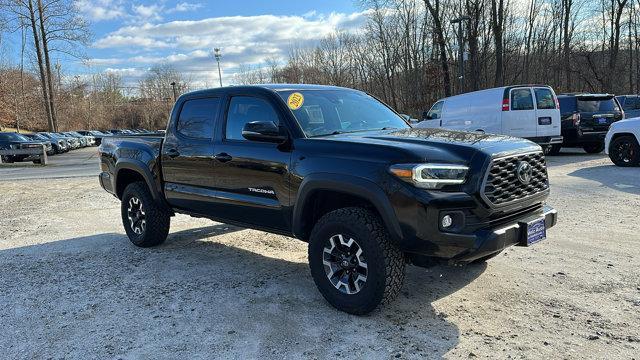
[(72, 286)]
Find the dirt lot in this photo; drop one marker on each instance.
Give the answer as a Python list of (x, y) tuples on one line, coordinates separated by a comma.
[(72, 286)]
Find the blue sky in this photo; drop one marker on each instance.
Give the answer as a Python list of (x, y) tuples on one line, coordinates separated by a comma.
[(129, 37)]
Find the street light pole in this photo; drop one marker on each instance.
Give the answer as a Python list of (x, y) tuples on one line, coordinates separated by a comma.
[(461, 49), (175, 93), (216, 53)]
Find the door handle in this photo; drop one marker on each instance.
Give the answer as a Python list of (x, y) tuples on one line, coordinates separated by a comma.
[(173, 153), (223, 157)]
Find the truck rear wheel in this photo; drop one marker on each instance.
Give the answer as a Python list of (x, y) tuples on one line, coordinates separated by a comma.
[(593, 148), (146, 222), (553, 150), (353, 262)]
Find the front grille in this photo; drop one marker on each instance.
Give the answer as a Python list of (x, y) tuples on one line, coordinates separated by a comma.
[(502, 185)]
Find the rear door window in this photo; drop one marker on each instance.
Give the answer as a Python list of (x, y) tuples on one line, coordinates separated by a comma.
[(197, 118), (521, 99), (544, 99)]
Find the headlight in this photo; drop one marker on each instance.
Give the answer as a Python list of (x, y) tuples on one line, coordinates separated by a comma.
[(431, 176)]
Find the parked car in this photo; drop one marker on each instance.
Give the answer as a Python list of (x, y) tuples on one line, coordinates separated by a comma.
[(97, 135), (84, 142), (87, 140), (621, 142), (61, 141), (336, 168), (12, 140), (586, 119), (526, 111), (630, 105), (52, 146), (74, 142)]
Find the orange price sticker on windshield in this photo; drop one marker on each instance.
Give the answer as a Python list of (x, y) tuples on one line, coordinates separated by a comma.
[(295, 101)]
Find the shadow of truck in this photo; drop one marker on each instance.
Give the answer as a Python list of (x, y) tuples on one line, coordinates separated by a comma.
[(99, 296)]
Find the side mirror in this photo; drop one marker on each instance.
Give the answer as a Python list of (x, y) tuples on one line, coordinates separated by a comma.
[(426, 116), (264, 131)]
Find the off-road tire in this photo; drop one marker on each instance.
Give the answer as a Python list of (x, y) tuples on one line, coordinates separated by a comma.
[(386, 263), (617, 158), (593, 148), (158, 219)]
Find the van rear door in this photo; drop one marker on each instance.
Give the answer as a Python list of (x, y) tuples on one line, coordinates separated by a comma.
[(519, 113), (547, 113)]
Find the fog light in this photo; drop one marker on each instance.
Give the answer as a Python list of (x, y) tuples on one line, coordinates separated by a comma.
[(446, 221)]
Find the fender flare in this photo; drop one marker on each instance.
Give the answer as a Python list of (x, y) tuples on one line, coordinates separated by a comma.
[(348, 184), (141, 168)]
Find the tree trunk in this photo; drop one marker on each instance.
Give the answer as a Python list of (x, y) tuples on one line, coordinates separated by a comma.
[(43, 78), (45, 49), (442, 45), (497, 25), (567, 34)]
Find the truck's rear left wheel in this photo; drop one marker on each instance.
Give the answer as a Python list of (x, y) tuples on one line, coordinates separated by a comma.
[(145, 221), (353, 262)]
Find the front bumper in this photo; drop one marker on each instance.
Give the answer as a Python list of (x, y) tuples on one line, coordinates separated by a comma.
[(489, 241), (481, 232)]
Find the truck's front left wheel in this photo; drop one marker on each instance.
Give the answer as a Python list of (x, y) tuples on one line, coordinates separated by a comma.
[(145, 221), (353, 262)]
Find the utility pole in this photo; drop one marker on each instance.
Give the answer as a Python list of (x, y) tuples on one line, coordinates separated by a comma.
[(217, 55), (58, 67), (461, 49), (175, 93)]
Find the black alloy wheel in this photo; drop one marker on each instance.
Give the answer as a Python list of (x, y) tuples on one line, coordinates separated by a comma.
[(624, 151), (345, 264)]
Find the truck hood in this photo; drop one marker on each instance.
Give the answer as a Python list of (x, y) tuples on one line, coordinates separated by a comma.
[(440, 144)]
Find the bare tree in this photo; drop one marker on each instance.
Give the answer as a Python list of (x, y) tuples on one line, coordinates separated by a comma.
[(497, 24), (436, 14)]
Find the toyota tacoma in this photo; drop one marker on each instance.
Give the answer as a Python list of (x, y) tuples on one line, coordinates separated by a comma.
[(338, 169)]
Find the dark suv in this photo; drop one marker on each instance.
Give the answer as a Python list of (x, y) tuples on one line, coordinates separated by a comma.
[(630, 104), (586, 119)]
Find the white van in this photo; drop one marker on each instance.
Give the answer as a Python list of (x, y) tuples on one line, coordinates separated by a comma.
[(526, 111)]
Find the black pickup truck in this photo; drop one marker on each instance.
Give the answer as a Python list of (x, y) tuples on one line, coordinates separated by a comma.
[(338, 169)]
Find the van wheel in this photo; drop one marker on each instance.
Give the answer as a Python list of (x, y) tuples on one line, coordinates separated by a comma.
[(624, 151), (593, 148), (146, 222), (553, 150), (353, 261)]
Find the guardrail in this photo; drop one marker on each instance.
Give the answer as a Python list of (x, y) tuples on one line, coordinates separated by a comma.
[(41, 152)]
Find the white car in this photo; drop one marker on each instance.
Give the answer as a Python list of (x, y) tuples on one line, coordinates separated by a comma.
[(621, 142), (527, 111)]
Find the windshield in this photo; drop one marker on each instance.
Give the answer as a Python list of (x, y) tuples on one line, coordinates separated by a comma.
[(12, 137), (325, 112)]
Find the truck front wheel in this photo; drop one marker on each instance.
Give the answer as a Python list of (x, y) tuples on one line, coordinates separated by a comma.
[(353, 262), (146, 222)]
